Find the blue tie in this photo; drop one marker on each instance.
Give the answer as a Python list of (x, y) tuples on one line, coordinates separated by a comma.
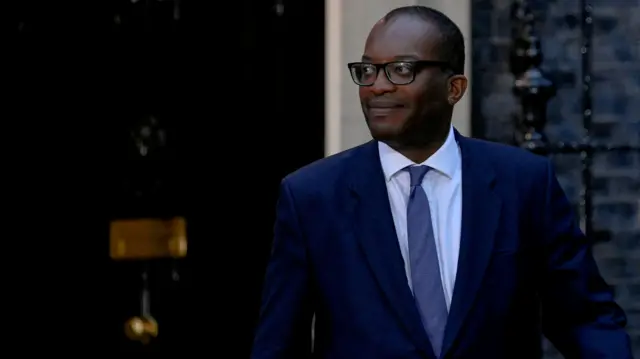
[(425, 270)]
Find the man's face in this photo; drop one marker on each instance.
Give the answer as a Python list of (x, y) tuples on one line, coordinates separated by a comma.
[(405, 114)]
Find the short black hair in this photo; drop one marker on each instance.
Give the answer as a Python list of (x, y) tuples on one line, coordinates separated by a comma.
[(451, 47)]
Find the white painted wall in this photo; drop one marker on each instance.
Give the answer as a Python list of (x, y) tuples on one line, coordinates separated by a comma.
[(347, 25)]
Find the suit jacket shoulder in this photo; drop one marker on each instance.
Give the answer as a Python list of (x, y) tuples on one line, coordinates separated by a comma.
[(505, 157), (326, 173), (515, 168), (510, 163)]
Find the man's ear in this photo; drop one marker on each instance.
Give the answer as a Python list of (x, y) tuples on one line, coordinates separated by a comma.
[(457, 88)]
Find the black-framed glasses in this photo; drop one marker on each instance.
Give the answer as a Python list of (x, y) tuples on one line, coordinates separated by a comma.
[(398, 72)]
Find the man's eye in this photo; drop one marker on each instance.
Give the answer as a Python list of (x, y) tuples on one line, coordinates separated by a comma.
[(402, 69), (368, 70)]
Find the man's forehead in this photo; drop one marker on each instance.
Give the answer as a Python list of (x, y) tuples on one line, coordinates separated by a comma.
[(399, 37)]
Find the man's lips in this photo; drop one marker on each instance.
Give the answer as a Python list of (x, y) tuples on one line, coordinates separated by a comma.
[(383, 108), (383, 111), (383, 104)]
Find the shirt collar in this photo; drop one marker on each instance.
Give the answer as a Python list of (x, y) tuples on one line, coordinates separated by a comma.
[(445, 160)]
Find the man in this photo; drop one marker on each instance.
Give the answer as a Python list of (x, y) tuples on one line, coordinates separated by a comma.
[(424, 243)]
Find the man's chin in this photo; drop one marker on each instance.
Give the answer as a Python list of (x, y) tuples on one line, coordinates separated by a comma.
[(383, 130), (383, 135)]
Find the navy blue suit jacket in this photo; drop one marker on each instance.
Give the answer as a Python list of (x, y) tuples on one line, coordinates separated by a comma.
[(524, 267)]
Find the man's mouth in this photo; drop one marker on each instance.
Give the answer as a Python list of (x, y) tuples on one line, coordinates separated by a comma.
[(383, 111), (384, 105)]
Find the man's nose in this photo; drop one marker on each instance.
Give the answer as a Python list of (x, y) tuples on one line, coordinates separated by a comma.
[(382, 84)]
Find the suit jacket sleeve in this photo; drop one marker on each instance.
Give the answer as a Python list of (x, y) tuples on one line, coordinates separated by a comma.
[(284, 328), (579, 315)]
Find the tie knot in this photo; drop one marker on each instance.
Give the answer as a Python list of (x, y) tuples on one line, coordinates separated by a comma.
[(417, 174)]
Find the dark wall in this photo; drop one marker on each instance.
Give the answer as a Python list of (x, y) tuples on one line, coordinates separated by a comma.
[(616, 84), (239, 92)]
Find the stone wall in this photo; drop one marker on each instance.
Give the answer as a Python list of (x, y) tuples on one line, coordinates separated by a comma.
[(616, 117)]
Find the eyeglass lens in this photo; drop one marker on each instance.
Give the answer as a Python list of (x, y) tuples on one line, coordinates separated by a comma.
[(397, 72)]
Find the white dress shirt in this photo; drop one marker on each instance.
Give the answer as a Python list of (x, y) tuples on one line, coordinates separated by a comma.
[(443, 186)]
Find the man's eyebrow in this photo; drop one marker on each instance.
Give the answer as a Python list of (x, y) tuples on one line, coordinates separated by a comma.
[(397, 58), (406, 57)]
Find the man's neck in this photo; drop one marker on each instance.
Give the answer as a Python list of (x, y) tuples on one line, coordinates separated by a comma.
[(420, 153)]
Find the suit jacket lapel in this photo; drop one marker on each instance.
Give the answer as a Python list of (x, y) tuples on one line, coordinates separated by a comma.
[(480, 216), (376, 232)]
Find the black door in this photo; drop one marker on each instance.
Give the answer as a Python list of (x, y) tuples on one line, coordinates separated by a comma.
[(237, 93)]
